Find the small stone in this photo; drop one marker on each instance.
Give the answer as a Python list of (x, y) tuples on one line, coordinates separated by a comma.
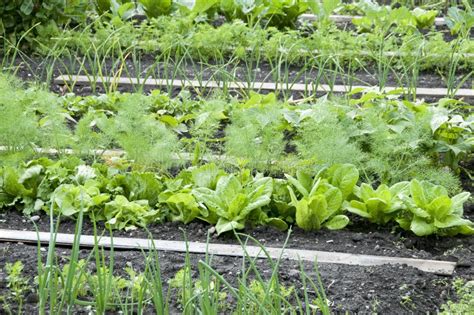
[(293, 273), (32, 298), (212, 230), (377, 247), (357, 237), (35, 218), (42, 249), (330, 241)]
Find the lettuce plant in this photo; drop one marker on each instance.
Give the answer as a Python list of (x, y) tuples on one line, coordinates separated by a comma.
[(155, 8), (379, 205), (234, 200), (69, 199), (320, 202), (431, 211), (121, 213), (183, 207)]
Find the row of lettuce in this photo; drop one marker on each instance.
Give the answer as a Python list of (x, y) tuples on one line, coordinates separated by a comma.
[(228, 200)]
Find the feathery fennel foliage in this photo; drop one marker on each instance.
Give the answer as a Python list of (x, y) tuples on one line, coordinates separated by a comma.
[(18, 127), (255, 135), (323, 138), (146, 140)]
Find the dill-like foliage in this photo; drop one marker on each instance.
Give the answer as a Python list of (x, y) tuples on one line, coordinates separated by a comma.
[(394, 149), (146, 140), (323, 138), (18, 126), (88, 137), (255, 135), (53, 120)]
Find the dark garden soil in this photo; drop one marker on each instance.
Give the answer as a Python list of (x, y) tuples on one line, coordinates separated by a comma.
[(355, 289), (36, 68), (359, 237)]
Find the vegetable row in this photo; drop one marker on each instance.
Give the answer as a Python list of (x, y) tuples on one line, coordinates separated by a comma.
[(387, 139), (228, 200), (174, 38)]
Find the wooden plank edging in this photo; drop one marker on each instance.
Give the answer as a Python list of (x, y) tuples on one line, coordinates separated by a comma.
[(432, 266), (271, 86)]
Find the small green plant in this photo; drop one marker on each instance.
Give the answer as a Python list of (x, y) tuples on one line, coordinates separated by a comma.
[(256, 132), (235, 200), (465, 298), (430, 210), (19, 16), (17, 284), (322, 197), (379, 205)]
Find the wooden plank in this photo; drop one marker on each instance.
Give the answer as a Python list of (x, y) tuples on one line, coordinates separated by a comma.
[(439, 21), (271, 86), (118, 153), (432, 266)]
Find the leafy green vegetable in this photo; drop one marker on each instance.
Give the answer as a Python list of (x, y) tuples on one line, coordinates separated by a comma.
[(431, 211), (155, 8), (342, 176), (184, 207), (137, 186), (320, 204), (69, 199), (11, 190), (379, 205), (121, 213), (233, 201), (424, 18)]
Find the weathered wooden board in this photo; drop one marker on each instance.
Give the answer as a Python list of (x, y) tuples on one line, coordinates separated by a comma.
[(432, 266)]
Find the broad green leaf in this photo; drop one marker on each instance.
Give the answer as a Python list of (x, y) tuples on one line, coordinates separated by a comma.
[(418, 193), (421, 228), (235, 208), (27, 7), (337, 222), (184, 207), (358, 208), (301, 189), (450, 221), (224, 225), (439, 118), (307, 217), (399, 188), (440, 207), (458, 202), (277, 223), (344, 177), (202, 6), (334, 200)]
